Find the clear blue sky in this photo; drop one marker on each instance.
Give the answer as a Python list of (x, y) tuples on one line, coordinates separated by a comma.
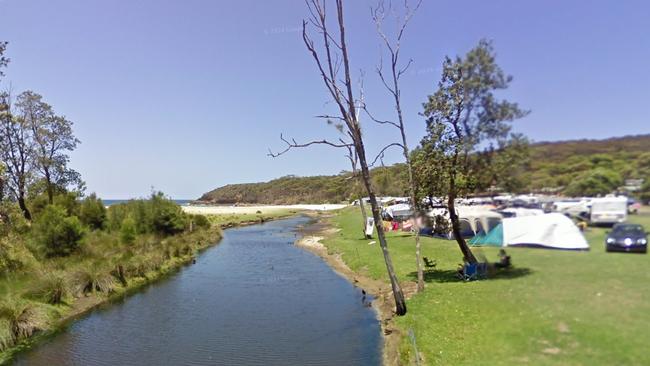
[(188, 95)]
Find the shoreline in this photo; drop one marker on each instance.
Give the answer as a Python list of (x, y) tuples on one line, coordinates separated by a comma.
[(383, 303), (85, 305)]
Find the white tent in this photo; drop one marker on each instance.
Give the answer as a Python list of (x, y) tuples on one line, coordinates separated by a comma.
[(552, 230), (520, 211), (400, 210)]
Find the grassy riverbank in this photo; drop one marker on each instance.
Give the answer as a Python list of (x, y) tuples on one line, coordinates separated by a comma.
[(553, 307), (90, 276), (86, 281), (76, 254)]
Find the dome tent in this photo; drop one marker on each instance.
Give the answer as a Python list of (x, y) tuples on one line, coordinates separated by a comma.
[(554, 231)]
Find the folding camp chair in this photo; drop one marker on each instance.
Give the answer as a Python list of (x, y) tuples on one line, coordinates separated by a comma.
[(429, 263), (482, 270), (470, 272)]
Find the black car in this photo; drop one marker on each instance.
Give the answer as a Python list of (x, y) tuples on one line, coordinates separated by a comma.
[(627, 238)]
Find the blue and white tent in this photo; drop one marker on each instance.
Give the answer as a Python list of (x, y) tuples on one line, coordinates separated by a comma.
[(553, 231)]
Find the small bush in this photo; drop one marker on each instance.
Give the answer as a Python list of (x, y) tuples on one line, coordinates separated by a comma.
[(92, 212), (69, 201), (200, 221), (128, 231), (14, 256), (57, 234), (167, 217)]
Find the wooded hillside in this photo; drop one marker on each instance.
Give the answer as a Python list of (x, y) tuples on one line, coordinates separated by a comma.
[(574, 167)]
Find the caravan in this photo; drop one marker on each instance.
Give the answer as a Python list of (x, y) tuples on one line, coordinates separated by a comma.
[(608, 210)]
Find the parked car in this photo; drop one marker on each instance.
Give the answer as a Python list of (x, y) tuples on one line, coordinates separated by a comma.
[(627, 238)]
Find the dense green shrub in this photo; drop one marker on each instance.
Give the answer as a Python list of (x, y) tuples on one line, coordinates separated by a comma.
[(167, 217), (128, 230), (92, 212), (599, 181), (69, 201), (14, 255), (200, 221), (157, 215), (56, 233)]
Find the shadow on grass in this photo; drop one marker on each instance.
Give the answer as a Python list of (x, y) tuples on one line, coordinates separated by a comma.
[(449, 275)]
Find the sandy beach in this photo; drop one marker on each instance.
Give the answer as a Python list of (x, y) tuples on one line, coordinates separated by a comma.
[(225, 210)]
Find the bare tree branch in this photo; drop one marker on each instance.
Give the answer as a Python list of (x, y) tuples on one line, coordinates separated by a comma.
[(293, 144), (381, 122), (380, 155)]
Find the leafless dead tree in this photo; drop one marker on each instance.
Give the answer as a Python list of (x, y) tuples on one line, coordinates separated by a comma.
[(332, 59), (391, 82)]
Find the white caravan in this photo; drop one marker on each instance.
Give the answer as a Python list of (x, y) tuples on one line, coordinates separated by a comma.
[(608, 210)]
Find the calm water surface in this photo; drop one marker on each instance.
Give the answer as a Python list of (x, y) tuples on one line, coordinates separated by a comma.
[(255, 299)]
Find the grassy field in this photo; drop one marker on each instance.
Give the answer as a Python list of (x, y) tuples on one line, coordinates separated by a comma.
[(553, 307)]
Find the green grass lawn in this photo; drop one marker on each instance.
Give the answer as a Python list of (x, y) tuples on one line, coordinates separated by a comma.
[(554, 307)]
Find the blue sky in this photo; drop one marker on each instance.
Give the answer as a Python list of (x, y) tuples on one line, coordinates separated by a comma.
[(188, 95)]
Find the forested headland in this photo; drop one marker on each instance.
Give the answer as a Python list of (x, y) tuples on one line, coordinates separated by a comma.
[(573, 168)]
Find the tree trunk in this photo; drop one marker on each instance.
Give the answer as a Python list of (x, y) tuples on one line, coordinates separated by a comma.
[(364, 214), (400, 303), (416, 226), (455, 227), (23, 206), (50, 189)]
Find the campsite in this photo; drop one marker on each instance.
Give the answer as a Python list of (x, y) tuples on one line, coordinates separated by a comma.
[(324, 182), (567, 307)]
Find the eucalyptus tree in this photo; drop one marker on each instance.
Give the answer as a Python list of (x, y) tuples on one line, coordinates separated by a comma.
[(53, 141), (468, 128), (16, 153), (3, 63), (332, 59)]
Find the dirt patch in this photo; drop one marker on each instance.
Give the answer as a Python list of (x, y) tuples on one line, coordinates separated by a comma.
[(384, 303)]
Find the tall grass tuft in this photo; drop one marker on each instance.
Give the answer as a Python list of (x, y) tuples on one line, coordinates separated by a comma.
[(6, 334), (92, 278), (53, 287), (24, 319)]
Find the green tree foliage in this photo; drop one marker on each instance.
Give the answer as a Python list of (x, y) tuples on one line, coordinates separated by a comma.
[(200, 221), (14, 256), (599, 181), (92, 212), (468, 127), (128, 230), (56, 233), (157, 215), (387, 181), (167, 217), (53, 139)]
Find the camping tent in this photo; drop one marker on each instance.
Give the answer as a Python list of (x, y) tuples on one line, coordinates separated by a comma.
[(520, 211), (399, 212), (552, 230), (473, 220)]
